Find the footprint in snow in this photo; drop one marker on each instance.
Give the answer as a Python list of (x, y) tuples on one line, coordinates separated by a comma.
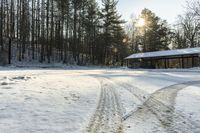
[(7, 88), (21, 78), (73, 97), (4, 83)]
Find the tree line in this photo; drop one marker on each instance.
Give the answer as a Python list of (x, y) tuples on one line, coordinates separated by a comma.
[(68, 31), (156, 34), (186, 31), (82, 32)]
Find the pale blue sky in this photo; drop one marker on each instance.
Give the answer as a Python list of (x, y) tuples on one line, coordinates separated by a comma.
[(166, 9)]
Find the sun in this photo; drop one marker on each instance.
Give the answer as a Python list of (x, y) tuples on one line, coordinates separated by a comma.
[(124, 40), (140, 22)]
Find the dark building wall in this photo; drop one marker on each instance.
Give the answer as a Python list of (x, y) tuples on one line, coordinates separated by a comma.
[(178, 62)]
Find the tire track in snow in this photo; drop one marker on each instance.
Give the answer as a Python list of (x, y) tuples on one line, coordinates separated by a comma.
[(161, 104), (107, 117)]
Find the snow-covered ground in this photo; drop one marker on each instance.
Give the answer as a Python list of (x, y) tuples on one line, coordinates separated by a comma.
[(94, 100)]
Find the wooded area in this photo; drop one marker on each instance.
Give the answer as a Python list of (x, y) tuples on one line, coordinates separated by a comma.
[(156, 34), (65, 31), (83, 32)]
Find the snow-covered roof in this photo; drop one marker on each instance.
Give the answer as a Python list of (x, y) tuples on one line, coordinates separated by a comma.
[(166, 53)]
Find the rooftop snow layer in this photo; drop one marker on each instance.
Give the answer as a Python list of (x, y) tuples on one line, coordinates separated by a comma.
[(177, 52)]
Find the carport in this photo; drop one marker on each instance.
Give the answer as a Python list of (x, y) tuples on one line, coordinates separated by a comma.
[(180, 58)]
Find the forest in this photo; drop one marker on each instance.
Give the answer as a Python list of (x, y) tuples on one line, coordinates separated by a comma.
[(86, 32)]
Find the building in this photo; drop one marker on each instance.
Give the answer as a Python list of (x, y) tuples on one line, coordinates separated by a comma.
[(180, 58)]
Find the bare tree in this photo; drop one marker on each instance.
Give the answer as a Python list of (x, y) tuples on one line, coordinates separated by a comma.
[(190, 27)]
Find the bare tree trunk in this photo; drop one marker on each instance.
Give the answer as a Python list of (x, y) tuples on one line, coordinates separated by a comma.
[(52, 31), (1, 25), (75, 32), (47, 29), (42, 31), (33, 30)]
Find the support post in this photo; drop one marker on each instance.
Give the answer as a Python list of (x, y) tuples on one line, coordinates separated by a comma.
[(183, 65), (180, 63), (192, 61), (165, 63)]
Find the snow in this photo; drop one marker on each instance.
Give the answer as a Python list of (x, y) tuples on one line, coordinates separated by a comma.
[(80, 99), (41, 101), (187, 102), (187, 51)]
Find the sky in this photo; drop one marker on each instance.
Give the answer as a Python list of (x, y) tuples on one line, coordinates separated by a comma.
[(165, 9)]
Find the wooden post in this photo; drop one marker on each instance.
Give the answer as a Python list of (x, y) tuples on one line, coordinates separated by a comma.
[(183, 65), (187, 62), (165, 63), (180, 63), (192, 61)]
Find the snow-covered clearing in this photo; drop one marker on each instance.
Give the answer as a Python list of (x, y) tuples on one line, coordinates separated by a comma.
[(98, 100)]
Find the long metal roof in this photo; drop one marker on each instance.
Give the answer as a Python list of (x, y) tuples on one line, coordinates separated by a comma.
[(166, 53)]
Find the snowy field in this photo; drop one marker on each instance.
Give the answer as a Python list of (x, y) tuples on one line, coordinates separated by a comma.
[(99, 101)]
